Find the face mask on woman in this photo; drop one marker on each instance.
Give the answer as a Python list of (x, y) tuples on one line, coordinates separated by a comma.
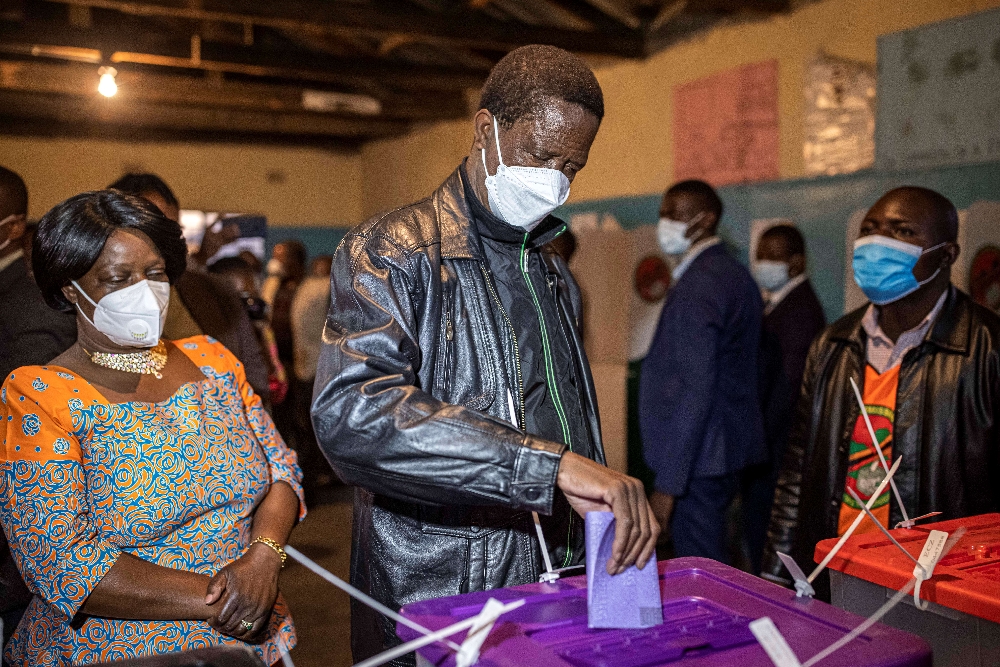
[(523, 196), (671, 235), (883, 268), (132, 316), (771, 275)]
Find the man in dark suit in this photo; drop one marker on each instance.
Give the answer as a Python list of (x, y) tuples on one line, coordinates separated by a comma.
[(201, 303), (31, 333), (793, 317), (698, 406)]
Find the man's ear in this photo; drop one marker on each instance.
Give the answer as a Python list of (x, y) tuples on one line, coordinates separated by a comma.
[(951, 252), (15, 229), (710, 222), (482, 125), (796, 265)]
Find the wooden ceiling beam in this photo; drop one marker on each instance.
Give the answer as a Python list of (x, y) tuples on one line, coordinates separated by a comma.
[(166, 50), (81, 80), (133, 115), (467, 28)]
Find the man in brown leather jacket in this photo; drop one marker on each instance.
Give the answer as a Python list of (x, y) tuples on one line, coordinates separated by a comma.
[(927, 360), (452, 388)]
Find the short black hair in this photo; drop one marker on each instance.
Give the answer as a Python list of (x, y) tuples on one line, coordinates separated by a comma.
[(703, 191), (140, 184), (795, 243), (297, 250), (943, 211), (524, 79), (72, 235), (13, 193), (231, 265)]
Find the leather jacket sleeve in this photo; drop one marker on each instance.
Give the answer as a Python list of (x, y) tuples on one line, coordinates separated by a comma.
[(783, 530), (378, 427)]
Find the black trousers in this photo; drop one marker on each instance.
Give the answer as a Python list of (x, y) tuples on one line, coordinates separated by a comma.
[(698, 526)]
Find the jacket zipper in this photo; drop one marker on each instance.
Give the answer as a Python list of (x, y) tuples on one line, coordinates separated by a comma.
[(517, 351), (551, 380)]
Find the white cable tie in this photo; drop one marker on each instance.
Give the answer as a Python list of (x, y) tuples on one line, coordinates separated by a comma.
[(882, 611), (774, 643), (910, 523), (884, 530), (549, 575), (803, 589), (468, 655), (935, 547), (420, 642), (358, 595), (878, 447), (857, 521)]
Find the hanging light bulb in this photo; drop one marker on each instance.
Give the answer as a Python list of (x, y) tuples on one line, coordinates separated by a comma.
[(107, 87)]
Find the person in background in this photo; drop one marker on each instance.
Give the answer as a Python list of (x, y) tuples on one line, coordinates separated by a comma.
[(793, 317), (453, 390), (927, 361), (308, 316), (242, 279), (200, 303), (285, 271), (699, 412), (30, 333), (143, 489)]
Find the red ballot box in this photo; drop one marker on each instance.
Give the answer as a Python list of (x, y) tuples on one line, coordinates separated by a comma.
[(962, 623)]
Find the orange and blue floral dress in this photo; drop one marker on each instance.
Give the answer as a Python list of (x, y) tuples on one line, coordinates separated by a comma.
[(175, 483)]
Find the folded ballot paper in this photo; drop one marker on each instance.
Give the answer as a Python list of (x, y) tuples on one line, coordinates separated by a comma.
[(627, 600)]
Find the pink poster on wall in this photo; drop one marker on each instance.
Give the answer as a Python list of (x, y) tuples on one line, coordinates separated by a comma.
[(726, 126)]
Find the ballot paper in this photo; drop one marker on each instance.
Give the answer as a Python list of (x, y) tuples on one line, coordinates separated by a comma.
[(627, 600)]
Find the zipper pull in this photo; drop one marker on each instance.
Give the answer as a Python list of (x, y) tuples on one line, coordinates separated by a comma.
[(449, 330)]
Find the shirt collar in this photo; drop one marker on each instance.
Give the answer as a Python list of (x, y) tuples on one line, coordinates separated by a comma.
[(10, 259), (692, 254), (786, 289), (871, 326)]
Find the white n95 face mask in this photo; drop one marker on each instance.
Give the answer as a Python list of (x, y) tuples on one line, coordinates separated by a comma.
[(523, 196), (671, 235), (132, 316)]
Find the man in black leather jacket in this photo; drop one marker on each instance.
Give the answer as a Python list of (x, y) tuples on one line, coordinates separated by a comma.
[(946, 351), (452, 388)]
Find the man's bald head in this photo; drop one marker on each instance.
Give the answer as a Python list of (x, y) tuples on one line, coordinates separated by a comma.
[(942, 215), (13, 194)]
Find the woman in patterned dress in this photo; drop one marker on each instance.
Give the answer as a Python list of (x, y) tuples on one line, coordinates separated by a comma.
[(145, 493)]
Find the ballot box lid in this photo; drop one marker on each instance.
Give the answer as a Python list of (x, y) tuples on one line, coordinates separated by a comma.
[(707, 607), (966, 579)]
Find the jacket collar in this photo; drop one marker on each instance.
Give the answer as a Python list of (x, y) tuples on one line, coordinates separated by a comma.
[(949, 332), (456, 224), (454, 217)]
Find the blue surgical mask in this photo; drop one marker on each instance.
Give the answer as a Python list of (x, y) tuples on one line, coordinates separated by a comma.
[(770, 275), (883, 268)]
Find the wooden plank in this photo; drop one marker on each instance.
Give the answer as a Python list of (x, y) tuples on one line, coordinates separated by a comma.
[(136, 115), (466, 28), (81, 80)]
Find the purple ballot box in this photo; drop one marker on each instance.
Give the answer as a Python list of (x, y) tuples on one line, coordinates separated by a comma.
[(706, 606)]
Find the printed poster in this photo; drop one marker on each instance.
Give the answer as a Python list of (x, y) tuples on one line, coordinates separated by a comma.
[(939, 94), (726, 126)]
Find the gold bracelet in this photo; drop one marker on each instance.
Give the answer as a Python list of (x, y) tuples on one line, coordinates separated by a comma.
[(274, 545)]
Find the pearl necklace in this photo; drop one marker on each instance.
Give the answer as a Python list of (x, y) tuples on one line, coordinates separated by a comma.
[(147, 362)]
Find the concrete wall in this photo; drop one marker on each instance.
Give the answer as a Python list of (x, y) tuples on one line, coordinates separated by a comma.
[(633, 153), (291, 186)]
